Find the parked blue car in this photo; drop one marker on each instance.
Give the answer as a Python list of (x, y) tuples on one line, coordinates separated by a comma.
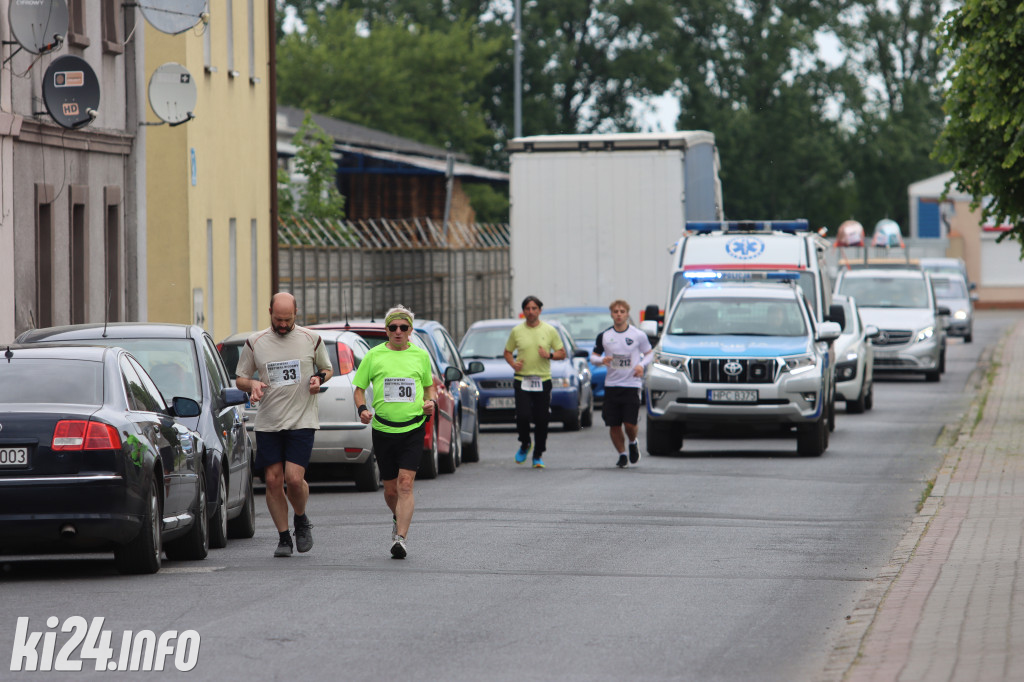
[(585, 323), (572, 397), (465, 390)]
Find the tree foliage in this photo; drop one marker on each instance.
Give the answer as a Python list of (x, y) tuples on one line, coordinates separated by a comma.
[(983, 143), (317, 195)]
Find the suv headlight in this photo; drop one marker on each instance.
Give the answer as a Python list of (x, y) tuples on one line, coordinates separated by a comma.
[(960, 315), (561, 382), (801, 363), (925, 334), (675, 363)]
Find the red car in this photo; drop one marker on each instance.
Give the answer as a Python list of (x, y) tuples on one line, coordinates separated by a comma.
[(441, 444)]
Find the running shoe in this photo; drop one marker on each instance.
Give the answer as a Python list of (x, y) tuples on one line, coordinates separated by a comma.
[(538, 463), (623, 461), (284, 548), (523, 452), (634, 453), (303, 536), (398, 548)]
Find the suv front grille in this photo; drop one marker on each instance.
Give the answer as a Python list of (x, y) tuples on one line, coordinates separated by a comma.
[(731, 371), (892, 337)]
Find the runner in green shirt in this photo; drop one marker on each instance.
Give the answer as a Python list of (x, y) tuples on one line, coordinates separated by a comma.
[(530, 348), (403, 399)]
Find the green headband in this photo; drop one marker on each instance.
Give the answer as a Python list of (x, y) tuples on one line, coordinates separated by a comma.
[(397, 314)]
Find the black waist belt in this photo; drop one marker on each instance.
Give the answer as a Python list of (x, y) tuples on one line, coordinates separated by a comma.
[(395, 425)]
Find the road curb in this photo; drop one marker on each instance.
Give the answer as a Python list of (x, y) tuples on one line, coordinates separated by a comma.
[(847, 645)]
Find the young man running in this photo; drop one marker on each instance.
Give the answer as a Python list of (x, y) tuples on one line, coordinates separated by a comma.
[(625, 351), (530, 348), (403, 399)]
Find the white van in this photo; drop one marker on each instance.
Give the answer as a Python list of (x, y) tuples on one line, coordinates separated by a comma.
[(756, 247)]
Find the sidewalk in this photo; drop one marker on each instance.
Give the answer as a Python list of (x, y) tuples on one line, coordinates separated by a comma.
[(950, 605)]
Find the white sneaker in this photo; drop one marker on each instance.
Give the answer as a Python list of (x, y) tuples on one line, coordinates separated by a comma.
[(398, 550)]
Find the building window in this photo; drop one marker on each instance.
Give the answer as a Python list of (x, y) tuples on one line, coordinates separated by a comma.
[(112, 249), (78, 252), (44, 256), (209, 274), (233, 271), (76, 24), (112, 43), (254, 265)]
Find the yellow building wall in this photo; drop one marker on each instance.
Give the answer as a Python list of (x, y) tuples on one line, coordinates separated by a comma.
[(191, 204)]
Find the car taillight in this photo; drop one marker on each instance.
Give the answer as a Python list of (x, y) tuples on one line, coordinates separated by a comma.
[(76, 434), (346, 360)]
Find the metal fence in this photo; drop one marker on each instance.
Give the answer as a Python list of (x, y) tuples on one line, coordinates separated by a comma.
[(356, 270)]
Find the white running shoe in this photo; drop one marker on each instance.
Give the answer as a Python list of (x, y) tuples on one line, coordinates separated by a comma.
[(398, 550)]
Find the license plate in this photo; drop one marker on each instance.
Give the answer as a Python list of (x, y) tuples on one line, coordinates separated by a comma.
[(501, 403), (14, 458), (728, 395)]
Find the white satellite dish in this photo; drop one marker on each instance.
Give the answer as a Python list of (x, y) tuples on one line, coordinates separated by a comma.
[(172, 16), (38, 25), (172, 93)]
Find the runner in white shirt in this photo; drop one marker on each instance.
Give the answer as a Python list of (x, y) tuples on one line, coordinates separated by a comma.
[(625, 351)]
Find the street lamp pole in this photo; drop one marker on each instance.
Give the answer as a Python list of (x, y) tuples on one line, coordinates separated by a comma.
[(517, 72)]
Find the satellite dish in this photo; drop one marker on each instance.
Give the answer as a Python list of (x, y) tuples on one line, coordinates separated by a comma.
[(38, 25), (71, 91), (172, 16), (172, 93)]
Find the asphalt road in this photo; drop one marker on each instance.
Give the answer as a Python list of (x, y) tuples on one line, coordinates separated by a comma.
[(735, 560)]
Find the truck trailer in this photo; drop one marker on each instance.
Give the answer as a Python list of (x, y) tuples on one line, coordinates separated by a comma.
[(593, 216)]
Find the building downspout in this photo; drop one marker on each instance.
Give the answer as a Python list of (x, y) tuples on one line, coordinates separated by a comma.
[(272, 97)]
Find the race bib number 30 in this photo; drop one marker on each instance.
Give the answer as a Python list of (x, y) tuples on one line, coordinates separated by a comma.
[(399, 390), (283, 373)]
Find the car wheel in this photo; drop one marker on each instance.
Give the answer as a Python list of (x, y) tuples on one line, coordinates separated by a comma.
[(856, 406), (832, 414), (969, 336), (572, 419), (448, 463), (219, 520), (367, 478), (812, 439), (429, 463), (942, 362), (244, 525), (663, 437), (471, 450), (869, 399), (142, 554), (196, 543), (933, 376)]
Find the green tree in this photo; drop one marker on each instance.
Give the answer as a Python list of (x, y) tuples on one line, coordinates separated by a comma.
[(983, 142), (317, 196)]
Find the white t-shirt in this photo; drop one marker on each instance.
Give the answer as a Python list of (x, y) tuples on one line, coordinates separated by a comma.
[(627, 349)]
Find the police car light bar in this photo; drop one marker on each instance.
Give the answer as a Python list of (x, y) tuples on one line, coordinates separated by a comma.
[(705, 227), (705, 276)]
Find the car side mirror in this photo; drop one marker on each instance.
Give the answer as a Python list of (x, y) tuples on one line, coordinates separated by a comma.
[(652, 313), (185, 407), (475, 367), (942, 310), (837, 314), (871, 332), (452, 373), (649, 327), (580, 353), (828, 331), (233, 396)]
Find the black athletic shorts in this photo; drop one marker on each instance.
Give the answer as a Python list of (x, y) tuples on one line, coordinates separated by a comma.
[(398, 451), (295, 445), (621, 405)]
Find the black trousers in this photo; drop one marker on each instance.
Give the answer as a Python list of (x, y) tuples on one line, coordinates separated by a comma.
[(533, 406)]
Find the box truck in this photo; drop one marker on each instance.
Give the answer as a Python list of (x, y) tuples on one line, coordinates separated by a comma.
[(593, 216)]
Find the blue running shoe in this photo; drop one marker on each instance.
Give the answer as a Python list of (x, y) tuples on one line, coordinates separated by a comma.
[(523, 452), (538, 463)]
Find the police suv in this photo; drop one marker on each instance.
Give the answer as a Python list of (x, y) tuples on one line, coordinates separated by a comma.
[(741, 348)]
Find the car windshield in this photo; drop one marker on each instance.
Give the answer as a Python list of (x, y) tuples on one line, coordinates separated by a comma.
[(584, 326), (171, 362), (806, 282), (746, 316), (886, 292), (949, 288), (61, 381), (484, 343)]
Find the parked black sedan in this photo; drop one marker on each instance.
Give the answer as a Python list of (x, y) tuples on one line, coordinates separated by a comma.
[(184, 362), (93, 459)]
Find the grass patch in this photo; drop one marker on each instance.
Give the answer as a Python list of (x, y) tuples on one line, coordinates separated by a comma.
[(990, 376), (925, 494)]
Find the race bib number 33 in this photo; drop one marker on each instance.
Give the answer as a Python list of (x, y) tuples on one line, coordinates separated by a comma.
[(399, 390), (283, 373)]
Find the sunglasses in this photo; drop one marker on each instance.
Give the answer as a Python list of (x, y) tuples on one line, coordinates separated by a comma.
[(396, 327)]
